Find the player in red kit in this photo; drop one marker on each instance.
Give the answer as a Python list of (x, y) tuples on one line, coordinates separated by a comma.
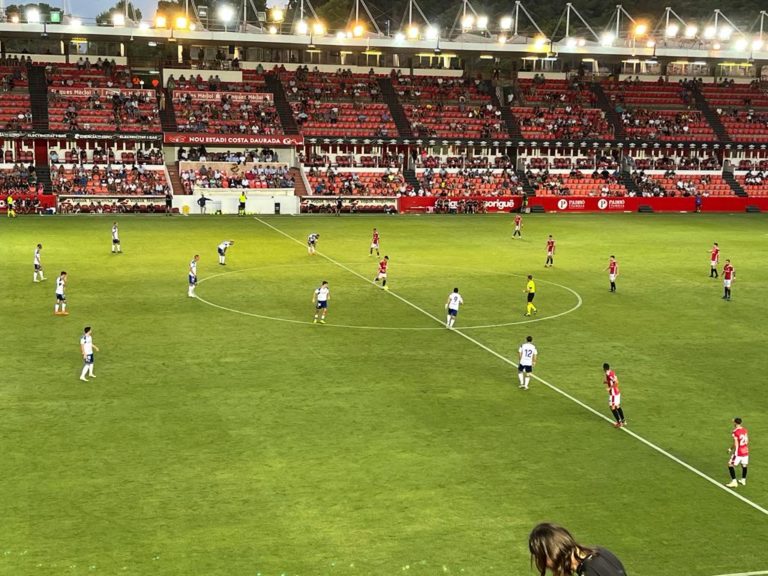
[(550, 252), (728, 275), (714, 259), (382, 275), (375, 243), (613, 272), (614, 395), (518, 227), (739, 454)]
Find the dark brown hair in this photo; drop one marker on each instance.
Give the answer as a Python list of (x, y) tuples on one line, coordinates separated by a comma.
[(552, 547)]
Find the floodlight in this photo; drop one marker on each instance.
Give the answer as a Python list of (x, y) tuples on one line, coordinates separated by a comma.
[(691, 30), (741, 44), (358, 30), (32, 15), (641, 29), (725, 32), (482, 22), (757, 44), (672, 30), (570, 42), (302, 27), (607, 39), (650, 43), (467, 21), (341, 35), (277, 14), (710, 32), (75, 22), (118, 19), (412, 32), (225, 13), (399, 37), (180, 23), (581, 41), (539, 42), (272, 29), (192, 26), (143, 25), (160, 21), (431, 33), (318, 28), (505, 23), (502, 39)]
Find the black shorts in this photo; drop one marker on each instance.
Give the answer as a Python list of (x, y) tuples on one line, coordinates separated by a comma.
[(61, 298), (115, 241), (530, 296)]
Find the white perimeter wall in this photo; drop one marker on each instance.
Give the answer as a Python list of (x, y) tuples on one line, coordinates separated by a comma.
[(228, 200)]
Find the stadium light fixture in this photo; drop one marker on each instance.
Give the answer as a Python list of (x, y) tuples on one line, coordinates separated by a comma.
[(118, 19), (581, 42), (302, 27), (180, 23), (277, 14), (725, 32), (144, 26), (75, 22), (716, 46), (505, 23), (399, 37), (650, 44), (672, 30), (192, 26), (225, 13), (607, 39), (502, 39), (641, 29), (570, 42), (160, 21), (710, 32), (412, 32), (757, 44), (690, 31), (741, 44), (272, 29), (467, 21), (540, 42), (431, 33), (318, 28), (15, 19), (358, 30), (482, 22), (32, 15)]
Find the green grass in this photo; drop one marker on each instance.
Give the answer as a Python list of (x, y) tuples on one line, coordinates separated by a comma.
[(219, 443)]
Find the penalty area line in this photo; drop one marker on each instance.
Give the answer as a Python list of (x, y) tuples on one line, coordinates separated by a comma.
[(549, 385)]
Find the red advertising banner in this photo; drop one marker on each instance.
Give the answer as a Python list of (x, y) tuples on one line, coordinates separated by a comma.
[(487, 203), (626, 204), (232, 139), (203, 96), (101, 91), (45, 200)]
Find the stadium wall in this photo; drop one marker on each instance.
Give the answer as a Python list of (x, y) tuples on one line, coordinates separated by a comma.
[(226, 201)]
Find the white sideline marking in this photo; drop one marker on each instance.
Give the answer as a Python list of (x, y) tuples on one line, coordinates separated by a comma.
[(746, 573), (579, 302), (552, 387)]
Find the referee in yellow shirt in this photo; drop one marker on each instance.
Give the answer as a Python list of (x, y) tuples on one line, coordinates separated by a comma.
[(530, 290)]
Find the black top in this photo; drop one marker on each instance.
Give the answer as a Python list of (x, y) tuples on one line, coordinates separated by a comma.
[(601, 563)]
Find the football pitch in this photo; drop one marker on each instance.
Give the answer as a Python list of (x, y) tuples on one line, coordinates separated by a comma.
[(229, 435)]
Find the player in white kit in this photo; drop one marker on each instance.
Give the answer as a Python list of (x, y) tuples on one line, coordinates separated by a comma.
[(38, 265), (527, 360), (61, 299), (116, 248), (320, 299), (452, 306), (222, 250), (193, 276), (87, 347)]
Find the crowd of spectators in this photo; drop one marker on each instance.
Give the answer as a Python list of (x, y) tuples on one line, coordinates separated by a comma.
[(600, 183), (120, 111), (101, 155), (12, 75), (305, 85), (439, 89), (570, 121), (648, 124), (19, 179), (201, 154), (671, 185), (85, 74), (226, 115), (469, 182), (755, 178), (271, 176), (114, 180), (461, 120), (374, 119), (331, 182)]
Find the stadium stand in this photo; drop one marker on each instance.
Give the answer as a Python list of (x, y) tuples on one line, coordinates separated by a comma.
[(382, 182), (576, 183), (136, 180), (225, 113), (196, 175), (468, 181)]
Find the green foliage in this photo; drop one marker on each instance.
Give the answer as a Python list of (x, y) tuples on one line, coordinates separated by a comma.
[(105, 18)]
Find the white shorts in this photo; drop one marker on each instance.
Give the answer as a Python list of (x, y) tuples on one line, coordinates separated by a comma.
[(614, 400), (612, 277), (381, 276), (550, 254), (714, 264), (374, 245), (727, 283), (735, 460)]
